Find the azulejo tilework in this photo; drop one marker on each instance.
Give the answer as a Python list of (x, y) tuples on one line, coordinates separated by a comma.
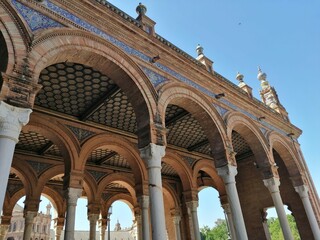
[(155, 78), (35, 19), (81, 134)]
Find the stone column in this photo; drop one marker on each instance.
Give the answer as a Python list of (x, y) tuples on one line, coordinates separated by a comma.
[(139, 225), (144, 203), (28, 221), (93, 218), (192, 210), (176, 222), (265, 224), (103, 228), (303, 193), (72, 197), (3, 231), (228, 173), (58, 227), (273, 186), (227, 212), (11, 121), (152, 155)]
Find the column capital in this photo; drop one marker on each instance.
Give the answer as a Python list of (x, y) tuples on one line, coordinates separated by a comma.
[(93, 217), (226, 208), (192, 205), (72, 195), (12, 119), (58, 222), (272, 184), (152, 154), (302, 191), (143, 201), (228, 173), (176, 219)]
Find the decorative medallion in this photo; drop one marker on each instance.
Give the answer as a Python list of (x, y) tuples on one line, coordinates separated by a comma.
[(39, 167), (80, 133), (35, 19)]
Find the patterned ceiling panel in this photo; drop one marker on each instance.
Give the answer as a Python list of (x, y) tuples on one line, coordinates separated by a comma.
[(36, 143), (71, 88), (240, 146), (184, 132), (116, 113), (106, 157)]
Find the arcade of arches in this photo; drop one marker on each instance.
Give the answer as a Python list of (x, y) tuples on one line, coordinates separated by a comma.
[(94, 103)]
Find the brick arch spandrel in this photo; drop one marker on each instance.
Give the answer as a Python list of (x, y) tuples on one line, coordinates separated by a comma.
[(16, 35), (120, 145), (251, 133), (10, 202), (208, 167), (182, 168), (56, 45), (203, 111), (60, 136)]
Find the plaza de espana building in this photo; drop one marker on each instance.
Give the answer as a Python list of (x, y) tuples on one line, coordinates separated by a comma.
[(95, 104)]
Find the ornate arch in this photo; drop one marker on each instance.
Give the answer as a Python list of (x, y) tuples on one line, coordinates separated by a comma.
[(207, 166), (85, 48), (202, 109), (183, 170), (120, 145), (251, 133)]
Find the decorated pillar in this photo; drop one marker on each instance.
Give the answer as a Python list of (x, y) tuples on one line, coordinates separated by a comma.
[(138, 222), (58, 227), (265, 224), (176, 222), (273, 186), (227, 212), (11, 121), (144, 203), (152, 155), (228, 173), (3, 231), (72, 197), (102, 228), (303, 193), (28, 221), (192, 211), (93, 218)]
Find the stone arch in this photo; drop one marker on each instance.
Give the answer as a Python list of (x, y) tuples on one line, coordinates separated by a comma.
[(15, 34), (59, 135), (10, 202), (202, 109), (171, 195), (26, 174), (289, 157), (119, 197), (253, 136), (125, 181), (120, 145), (182, 169), (56, 199), (85, 48), (90, 187), (207, 166), (47, 175)]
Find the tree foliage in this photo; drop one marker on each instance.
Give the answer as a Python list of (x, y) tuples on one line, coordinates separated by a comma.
[(220, 230)]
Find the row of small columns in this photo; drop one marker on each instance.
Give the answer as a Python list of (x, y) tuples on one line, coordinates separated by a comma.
[(13, 118)]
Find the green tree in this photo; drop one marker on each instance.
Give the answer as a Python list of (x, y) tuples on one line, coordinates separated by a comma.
[(275, 228), (218, 232)]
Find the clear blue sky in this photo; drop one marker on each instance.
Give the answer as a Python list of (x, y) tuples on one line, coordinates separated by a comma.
[(283, 37)]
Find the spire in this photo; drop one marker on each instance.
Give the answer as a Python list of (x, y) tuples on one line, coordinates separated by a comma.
[(243, 85), (269, 95), (203, 59), (147, 24), (48, 208)]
